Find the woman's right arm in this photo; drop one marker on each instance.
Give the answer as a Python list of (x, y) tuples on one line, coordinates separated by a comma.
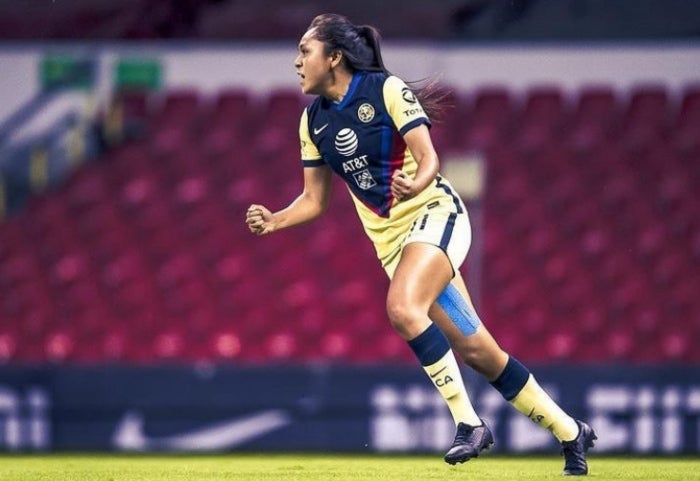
[(312, 202)]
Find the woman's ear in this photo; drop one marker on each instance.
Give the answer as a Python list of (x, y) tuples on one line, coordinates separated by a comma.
[(336, 58)]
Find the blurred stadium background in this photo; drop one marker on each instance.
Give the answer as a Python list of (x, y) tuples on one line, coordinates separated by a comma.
[(137, 313)]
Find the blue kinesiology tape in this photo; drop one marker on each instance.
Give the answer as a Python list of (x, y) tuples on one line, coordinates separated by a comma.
[(459, 310)]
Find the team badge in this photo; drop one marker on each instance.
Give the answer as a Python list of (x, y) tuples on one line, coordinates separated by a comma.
[(364, 179), (365, 113)]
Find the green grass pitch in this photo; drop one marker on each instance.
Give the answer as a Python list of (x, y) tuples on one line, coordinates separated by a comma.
[(260, 467)]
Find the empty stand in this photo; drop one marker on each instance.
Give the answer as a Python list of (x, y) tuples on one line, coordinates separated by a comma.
[(591, 237)]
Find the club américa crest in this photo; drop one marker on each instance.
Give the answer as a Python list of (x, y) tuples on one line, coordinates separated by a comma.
[(365, 113)]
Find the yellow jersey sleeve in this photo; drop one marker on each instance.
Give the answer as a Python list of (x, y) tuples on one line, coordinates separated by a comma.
[(402, 105), (310, 155)]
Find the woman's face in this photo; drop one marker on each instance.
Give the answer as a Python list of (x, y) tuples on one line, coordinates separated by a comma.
[(312, 64)]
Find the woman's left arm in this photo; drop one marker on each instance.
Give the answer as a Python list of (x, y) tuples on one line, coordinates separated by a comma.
[(421, 146)]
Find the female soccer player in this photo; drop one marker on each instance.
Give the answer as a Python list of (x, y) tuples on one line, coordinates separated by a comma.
[(368, 127)]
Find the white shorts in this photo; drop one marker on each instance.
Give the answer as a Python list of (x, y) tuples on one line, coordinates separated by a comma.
[(449, 231)]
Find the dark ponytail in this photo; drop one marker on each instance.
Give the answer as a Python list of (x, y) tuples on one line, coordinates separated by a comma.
[(360, 46), (372, 37)]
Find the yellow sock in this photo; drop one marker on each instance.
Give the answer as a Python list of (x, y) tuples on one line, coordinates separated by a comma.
[(536, 404), (447, 379)]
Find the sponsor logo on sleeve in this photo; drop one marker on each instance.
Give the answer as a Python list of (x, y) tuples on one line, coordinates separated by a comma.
[(408, 96)]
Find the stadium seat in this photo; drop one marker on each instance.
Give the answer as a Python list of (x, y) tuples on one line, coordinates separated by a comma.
[(490, 117), (225, 345), (595, 117), (543, 116), (8, 346), (646, 119)]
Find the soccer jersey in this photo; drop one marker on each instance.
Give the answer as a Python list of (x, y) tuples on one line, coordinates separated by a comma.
[(361, 139)]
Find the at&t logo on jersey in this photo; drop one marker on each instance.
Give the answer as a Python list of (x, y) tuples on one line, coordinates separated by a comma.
[(346, 142)]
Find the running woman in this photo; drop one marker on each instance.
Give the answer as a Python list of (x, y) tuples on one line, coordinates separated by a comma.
[(372, 130)]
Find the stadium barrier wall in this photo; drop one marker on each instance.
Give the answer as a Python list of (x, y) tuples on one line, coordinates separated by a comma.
[(373, 409), (265, 66)]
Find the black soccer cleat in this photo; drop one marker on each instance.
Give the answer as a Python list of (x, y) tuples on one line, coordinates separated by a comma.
[(575, 451), (469, 442)]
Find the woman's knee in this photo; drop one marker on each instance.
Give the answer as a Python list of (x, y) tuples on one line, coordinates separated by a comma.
[(406, 318)]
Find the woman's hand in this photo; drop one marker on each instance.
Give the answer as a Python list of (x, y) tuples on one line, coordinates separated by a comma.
[(259, 220), (402, 186)]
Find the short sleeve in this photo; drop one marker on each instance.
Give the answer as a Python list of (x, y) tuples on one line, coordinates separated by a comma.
[(402, 105), (310, 156)]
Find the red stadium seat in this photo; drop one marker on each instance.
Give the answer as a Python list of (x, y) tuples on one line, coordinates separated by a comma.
[(646, 119), (8, 346), (336, 346), (226, 345), (542, 118), (59, 346), (280, 346), (169, 345), (491, 114), (595, 117)]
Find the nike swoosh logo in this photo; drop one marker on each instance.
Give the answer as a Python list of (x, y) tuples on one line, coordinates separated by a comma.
[(435, 374), (129, 434), (320, 129)]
